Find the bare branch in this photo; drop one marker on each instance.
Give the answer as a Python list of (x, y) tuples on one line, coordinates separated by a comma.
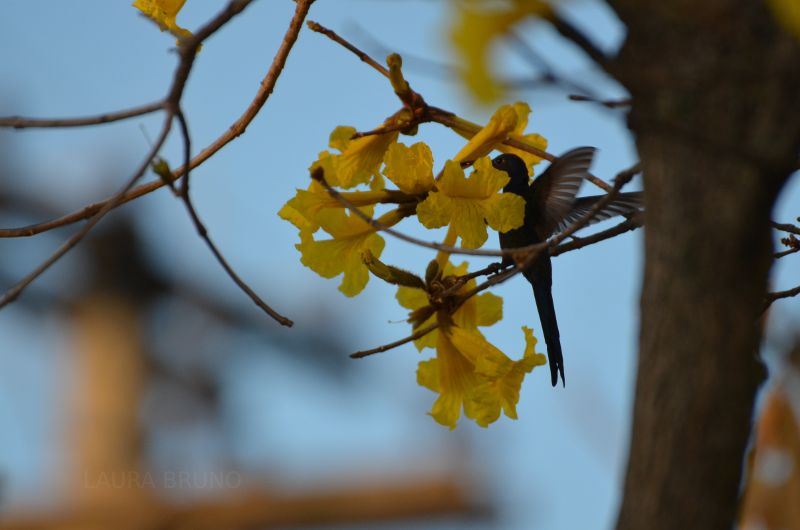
[(608, 103), (380, 130), (777, 295), (779, 255), (414, 336), (786, 227), (203, 231), (319, 28), (634, 222), (19, 122)]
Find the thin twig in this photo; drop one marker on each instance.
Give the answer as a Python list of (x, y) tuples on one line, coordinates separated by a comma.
[(490, 269), (203, 231), (19, 122), (608, 103), (319, 28), (786, 227), (414, 336), (779, 255), (777, 295), (235, 130), (187, 154), (445, 71), (380, 130), (634, 222)]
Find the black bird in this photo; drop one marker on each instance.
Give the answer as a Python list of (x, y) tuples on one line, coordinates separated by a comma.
[(550, 207)]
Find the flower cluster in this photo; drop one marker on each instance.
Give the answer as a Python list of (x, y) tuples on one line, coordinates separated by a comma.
[(372, 170)]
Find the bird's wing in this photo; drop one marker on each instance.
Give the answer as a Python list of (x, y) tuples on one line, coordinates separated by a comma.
[(554, 192), (622, 204)]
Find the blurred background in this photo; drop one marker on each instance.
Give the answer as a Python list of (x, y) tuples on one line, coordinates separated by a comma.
[(135, 378)]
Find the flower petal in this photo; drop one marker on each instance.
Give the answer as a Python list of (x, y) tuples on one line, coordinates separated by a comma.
[(410, 168)]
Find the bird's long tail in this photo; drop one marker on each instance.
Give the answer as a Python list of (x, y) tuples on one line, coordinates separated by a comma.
[(547, 315)]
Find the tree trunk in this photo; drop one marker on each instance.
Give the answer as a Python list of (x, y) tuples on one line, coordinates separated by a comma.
[(716, 91)]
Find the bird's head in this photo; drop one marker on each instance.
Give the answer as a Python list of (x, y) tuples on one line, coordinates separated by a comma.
[(516, 169)]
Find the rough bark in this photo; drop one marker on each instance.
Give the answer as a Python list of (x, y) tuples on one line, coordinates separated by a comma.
[(716, 115)]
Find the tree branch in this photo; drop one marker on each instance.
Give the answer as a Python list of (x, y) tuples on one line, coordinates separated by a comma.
[(771, 297), (414, 336), (202, 231), (786, 227), (19, 122)]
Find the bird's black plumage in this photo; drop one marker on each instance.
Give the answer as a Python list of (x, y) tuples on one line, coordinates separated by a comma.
[(550, 206)]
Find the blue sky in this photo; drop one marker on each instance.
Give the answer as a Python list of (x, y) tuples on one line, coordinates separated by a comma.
[(559, 466)]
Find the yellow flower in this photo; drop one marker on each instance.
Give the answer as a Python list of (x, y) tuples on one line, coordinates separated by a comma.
[(450, 375), (303, 209), (536, 140), (164, 13), (499, 377), (470, 373), (508, 122), (502, 123), (360, 159), (342, 254), (483, 310), (410, 168), (464, 203), (474, 31)]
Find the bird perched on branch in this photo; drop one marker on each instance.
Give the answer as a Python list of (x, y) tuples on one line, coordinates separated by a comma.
[(550, 207)]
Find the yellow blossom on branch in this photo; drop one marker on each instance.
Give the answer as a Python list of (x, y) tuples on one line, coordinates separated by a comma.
[(523, 110), (508, 122), (342, 254), (164, 13), (502, 123), (360, 159), (483, 310), (500, 377), (464, 203), (303, 209), (470, 373)]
